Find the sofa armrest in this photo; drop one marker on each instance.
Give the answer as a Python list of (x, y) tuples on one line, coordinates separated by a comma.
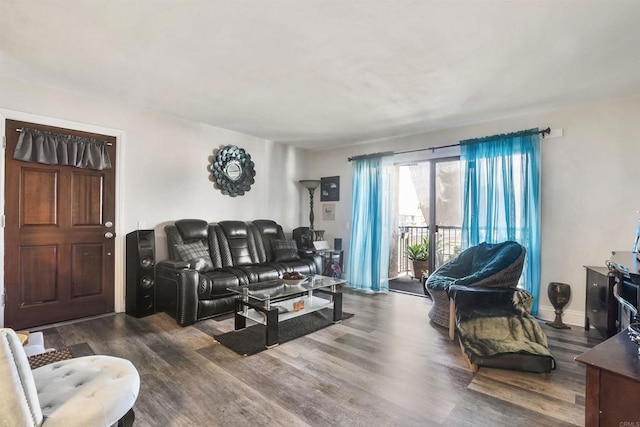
[(309, 254), (173, 264), (177, 291)]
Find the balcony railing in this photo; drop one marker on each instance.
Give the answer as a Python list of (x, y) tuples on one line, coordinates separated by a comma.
[(448, 243)]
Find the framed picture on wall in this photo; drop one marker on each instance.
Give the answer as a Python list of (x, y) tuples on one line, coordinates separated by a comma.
[(330, 189), (329, 212)]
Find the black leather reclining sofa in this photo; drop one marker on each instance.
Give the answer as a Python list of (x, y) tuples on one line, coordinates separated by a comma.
[(207, 258)]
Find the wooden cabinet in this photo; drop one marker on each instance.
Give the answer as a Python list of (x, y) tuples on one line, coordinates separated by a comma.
[(613, 383), (601, 310)]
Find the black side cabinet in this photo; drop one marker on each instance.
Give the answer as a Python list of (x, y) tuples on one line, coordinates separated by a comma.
[(601, 309), (332, 261)]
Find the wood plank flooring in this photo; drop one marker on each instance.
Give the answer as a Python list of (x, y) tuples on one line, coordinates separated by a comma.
[(386, 366)]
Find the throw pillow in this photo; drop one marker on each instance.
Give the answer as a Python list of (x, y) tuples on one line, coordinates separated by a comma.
[(196, 254), (201, 265), (284, 250)]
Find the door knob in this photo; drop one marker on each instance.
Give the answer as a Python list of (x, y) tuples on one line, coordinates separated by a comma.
[(109, 235)]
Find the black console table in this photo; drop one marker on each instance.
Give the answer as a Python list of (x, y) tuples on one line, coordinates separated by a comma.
[(601, 310), (332, 263)]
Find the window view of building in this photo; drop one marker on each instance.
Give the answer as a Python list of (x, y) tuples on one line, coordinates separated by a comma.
[(410, 210), (415, 212)]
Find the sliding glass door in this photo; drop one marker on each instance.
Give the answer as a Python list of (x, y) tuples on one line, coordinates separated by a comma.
[(447, 212), (428, 214)]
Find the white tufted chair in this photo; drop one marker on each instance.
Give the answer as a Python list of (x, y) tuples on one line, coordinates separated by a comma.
[(85, 391)]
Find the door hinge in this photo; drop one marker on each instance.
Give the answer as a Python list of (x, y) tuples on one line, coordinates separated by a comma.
[(2, 221), (4, 141)]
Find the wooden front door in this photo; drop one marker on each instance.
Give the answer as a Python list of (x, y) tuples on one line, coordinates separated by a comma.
[(59, 265)]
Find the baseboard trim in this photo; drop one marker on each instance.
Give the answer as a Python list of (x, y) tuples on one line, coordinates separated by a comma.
[(570, 317), (69, 322)]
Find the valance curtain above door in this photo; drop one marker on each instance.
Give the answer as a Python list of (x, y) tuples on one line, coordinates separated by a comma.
[(54, 149)]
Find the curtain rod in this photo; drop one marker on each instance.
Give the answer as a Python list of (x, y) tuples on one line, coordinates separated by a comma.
[(108, 143), (543, 132)]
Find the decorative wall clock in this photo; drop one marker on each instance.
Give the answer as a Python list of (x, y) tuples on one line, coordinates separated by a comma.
[(232, 170)]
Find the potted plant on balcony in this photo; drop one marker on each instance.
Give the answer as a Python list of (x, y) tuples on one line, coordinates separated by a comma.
[(418, 253)]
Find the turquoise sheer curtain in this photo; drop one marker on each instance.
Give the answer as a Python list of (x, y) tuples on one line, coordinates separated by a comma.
[(368, 261), (501, 196)]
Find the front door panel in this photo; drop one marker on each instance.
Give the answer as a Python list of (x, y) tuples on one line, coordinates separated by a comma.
[(58, 263)]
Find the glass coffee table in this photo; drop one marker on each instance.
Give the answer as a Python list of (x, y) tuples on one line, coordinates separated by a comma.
[(273, 301)]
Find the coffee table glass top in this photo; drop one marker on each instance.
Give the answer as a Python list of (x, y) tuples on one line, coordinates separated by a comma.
[(272, 289)]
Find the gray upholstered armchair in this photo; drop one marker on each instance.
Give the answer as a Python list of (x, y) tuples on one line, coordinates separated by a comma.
[(86, 391)]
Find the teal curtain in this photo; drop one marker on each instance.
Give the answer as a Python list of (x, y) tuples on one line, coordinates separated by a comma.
[(501, 196), (368, 260)]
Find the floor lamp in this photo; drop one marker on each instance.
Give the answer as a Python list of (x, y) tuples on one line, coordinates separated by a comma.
[(311, 185)]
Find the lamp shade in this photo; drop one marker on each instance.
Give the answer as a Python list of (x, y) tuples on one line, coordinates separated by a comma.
[(310, 184)]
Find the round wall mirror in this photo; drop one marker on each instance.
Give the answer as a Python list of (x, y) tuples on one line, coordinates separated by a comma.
[(232, 170)]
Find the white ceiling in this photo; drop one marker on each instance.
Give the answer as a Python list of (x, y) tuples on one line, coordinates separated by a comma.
[(315, 73)]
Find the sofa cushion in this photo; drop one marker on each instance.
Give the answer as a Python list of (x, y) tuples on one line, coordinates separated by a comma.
[(192, 229), (303, 266), (236, 243), (284, 250), (259, 272), (196, 254)]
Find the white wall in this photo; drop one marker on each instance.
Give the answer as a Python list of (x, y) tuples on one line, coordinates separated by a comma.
[(589, 176), (163, 164), (589, 186)]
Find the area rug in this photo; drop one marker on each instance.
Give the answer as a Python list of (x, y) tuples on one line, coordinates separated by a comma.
[(64, 353), (251, 340), (42, 359)]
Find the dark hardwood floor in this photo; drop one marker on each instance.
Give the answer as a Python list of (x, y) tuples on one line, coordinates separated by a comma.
[(386, 366)]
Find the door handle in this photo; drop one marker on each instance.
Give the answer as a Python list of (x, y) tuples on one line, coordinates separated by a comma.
[(109, 235)]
